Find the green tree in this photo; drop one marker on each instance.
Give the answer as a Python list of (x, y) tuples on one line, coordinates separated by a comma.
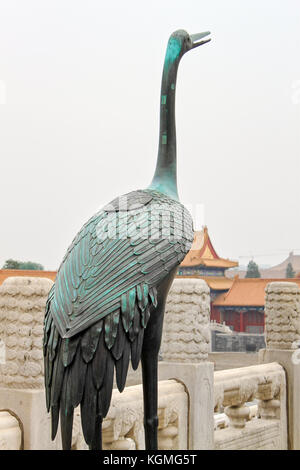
[(290, 273), (252, 270), (14, 264), (11, 264)]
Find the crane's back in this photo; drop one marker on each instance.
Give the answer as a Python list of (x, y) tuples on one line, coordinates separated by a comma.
[(102, 299)]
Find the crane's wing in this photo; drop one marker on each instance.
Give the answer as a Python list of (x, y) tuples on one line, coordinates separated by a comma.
[(99, 306), (118, 259)]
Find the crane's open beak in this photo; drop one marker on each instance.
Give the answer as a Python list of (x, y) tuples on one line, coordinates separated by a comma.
[(195, 38)]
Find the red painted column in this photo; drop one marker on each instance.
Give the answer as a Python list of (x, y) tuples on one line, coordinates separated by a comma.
[(241, 322)]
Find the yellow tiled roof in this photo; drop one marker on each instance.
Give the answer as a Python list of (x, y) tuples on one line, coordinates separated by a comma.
[(247, 292), (203, 253)]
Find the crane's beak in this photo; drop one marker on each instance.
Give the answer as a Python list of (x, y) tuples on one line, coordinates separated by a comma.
[(195, 38)]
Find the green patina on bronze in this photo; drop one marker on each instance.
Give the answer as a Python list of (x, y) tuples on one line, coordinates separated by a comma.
[(165, 177), (107, 304), (173, 51)]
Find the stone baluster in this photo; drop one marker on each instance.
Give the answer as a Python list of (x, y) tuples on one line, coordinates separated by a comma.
[(268, 395), (184, 350), (269, 409), (238, 415), (186, 333)]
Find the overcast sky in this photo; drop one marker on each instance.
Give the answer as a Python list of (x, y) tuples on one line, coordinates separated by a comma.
[(79, 119)]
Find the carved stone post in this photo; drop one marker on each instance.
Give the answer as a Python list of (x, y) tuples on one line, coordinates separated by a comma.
[(185, 347), (22, 306), (282, 320)]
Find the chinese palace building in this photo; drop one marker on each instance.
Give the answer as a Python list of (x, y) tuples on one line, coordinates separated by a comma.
[(239, 303), (242, 306), (203, 262)]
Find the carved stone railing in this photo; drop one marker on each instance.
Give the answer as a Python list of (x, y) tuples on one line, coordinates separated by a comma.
[(221, 327), (186, 412), (10, 432), (282, 320), (252, 427), (22, 304), (22, 310), (123, 427)]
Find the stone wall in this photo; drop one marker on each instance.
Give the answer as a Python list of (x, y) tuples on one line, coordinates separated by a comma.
[(236, 342)]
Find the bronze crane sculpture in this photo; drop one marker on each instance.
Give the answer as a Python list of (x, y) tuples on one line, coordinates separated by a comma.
[(107, 303)]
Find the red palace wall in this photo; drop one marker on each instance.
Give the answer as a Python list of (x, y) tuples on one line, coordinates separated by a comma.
[(243, 321)]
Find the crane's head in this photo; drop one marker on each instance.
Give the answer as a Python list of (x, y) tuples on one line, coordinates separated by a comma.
[(181, 42)]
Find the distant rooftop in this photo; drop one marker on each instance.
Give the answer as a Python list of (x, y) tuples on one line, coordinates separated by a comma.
[(203, 253), (247, 292)]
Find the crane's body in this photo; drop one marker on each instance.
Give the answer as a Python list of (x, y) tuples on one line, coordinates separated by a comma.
[(107, 303)]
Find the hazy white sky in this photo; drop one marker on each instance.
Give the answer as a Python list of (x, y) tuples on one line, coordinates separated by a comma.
[(79, 118)]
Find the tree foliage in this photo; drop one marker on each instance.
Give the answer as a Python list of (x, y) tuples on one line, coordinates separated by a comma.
[(14, 264), (290, 273), (252, 270)]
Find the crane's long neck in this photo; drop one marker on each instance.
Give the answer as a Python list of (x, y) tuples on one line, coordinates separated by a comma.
[(165, 176)]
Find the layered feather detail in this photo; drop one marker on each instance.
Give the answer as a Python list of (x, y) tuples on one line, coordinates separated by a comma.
[(80, 370), (101, 302), (114, 255)]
